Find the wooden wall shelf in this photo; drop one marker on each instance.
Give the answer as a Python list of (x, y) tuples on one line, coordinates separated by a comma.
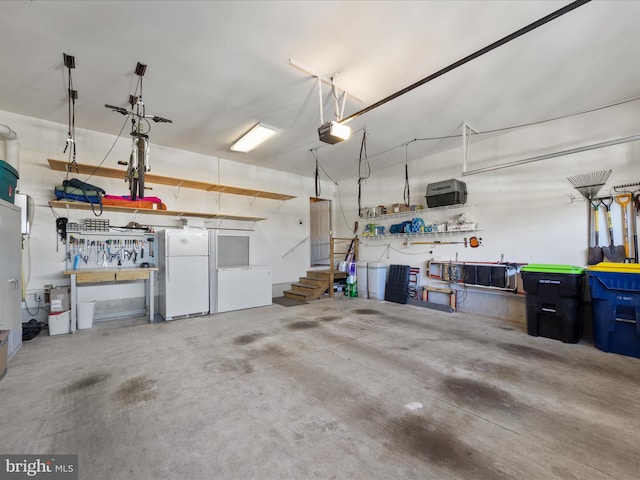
[(147, 211), (62, 166)]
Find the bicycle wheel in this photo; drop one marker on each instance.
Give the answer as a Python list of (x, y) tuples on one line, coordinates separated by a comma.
[(141, 166), (133, 188), (132, 176)]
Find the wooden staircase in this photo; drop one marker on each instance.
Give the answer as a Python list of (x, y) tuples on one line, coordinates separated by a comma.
[(319, 282), (314, 285)]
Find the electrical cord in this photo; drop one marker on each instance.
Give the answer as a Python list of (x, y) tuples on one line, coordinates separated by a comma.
[(26, 307), (407, 195), (319, 165), (364, 172), (344, 217), (388, 246), (124, 124), (110, 149)]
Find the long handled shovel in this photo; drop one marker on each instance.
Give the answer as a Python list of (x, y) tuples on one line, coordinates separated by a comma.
[(635, 211), (623, 200), (612, 253), (595, 254)]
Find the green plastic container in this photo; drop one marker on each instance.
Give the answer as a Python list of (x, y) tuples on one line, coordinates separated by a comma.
[(551, 268), (8, 182)]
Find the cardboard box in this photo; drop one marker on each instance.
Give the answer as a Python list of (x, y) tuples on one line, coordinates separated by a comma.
[(60, 293), (4, 346)]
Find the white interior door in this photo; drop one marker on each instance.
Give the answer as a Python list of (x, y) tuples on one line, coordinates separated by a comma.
[(320, 232)]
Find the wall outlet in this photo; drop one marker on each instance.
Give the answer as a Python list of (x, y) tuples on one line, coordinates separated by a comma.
[(47, 293), (39, 297)]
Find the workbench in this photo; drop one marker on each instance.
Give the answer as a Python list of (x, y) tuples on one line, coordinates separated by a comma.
[(110, 275)]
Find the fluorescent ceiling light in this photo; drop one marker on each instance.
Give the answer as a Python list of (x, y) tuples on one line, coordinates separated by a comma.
[(254, 137), (333, 132)]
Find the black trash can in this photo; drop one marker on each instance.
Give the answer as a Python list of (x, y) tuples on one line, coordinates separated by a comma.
[(554, 301)]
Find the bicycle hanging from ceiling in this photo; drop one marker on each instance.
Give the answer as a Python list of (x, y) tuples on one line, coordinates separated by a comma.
[(138, 162)]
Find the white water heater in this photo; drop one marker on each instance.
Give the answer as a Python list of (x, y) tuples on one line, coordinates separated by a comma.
[(28, 208)]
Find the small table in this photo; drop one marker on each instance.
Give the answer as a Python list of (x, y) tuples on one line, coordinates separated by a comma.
[(448, 291), (109, 275)]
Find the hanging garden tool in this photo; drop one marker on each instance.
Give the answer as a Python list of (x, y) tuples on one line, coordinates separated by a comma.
[(623, 200), (70, 63), (635, 211), (589, 184), (595, 253), (473, 242), (612, 253)]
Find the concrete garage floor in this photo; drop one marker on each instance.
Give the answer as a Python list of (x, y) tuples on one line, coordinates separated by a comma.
[(343, 388)]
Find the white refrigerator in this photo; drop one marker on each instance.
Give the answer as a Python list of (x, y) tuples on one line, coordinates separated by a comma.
[(183, 280)]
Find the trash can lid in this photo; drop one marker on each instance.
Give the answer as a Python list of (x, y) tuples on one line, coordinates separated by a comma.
[(551, 268), (377, 264), (615, 267)]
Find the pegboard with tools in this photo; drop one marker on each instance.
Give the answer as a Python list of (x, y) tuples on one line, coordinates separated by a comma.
[(94, 250)]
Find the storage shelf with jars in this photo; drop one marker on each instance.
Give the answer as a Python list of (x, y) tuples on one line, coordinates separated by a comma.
[(395, 210), (417, 226), (416, 235)]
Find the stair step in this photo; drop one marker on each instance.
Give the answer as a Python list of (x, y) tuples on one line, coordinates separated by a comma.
[(313, 286), (318, 274), (297, 295), (325, 274), (301, 287), (316, 282)]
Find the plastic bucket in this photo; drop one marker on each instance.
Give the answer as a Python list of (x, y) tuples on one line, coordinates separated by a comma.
[(377, 279), (59, 322), (85, 315), (361, 275)]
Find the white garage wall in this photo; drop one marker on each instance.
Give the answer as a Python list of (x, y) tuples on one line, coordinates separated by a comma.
[(272, 238), (527, 214)]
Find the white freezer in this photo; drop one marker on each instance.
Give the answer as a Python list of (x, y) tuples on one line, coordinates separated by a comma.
[(234, 283), (243, 287), (183, 279), (178, 243), (185, 292)]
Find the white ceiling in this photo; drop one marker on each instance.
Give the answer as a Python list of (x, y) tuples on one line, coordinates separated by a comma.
[(216, 68)]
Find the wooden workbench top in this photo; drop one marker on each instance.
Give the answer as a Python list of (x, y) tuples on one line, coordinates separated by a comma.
[(111, 269)]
